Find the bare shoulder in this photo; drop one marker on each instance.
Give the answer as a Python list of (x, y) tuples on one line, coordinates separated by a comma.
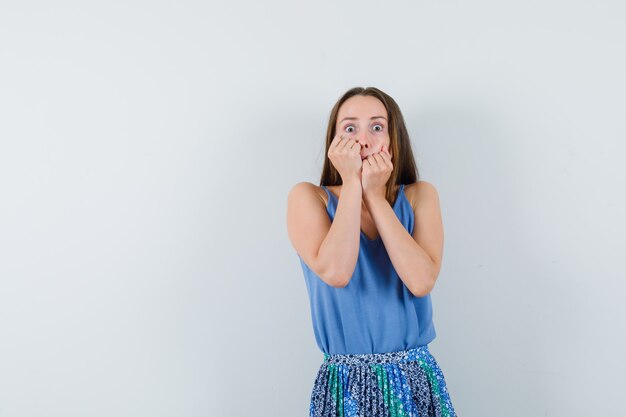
[(305, 191), (421, 193)]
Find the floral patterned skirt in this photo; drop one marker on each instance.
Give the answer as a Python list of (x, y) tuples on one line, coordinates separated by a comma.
[(393, 384)]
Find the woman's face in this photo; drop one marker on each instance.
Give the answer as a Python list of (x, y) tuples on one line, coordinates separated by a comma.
[(364, 118)]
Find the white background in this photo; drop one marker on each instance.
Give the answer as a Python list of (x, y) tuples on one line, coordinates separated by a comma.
[(147, 149)]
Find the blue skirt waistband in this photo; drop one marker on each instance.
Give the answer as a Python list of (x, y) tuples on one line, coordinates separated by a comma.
[(399, 356)]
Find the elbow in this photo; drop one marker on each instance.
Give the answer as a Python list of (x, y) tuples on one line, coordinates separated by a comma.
[(422, 288), (341, 282), (419, 292), (336, 280), (337, 276), (424, 283)]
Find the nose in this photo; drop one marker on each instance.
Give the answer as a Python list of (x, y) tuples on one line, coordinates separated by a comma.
[(363, 140)]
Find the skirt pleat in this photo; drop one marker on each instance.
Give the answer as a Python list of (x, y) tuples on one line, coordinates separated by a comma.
[(407, 383)]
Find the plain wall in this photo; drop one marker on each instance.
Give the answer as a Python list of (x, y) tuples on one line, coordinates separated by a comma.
[(146, 153)]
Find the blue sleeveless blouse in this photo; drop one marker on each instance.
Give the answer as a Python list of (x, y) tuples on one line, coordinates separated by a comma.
[(375, 312)]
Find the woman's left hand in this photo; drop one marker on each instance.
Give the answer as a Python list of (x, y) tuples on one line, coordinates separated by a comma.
[(375, 173)]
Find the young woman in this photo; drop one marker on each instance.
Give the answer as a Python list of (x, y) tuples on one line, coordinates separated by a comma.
[(370, 243)]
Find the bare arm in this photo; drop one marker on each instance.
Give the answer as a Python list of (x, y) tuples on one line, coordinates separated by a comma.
[(416, 258), (330, 249), (341, 245)]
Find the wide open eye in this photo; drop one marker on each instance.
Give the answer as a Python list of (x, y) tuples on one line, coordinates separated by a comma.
[(348, 127), (381, 127)]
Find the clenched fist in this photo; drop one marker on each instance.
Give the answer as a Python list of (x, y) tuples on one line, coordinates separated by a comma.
[(377, 169), (345, 155)]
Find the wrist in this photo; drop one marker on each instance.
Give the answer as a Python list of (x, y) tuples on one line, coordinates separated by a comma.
[(352, 182), (374, 196)]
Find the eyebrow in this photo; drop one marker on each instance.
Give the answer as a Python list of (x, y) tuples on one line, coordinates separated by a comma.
[(355, 118)]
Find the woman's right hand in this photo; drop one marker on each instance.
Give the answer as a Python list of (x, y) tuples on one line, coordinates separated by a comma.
[(345, 155)]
